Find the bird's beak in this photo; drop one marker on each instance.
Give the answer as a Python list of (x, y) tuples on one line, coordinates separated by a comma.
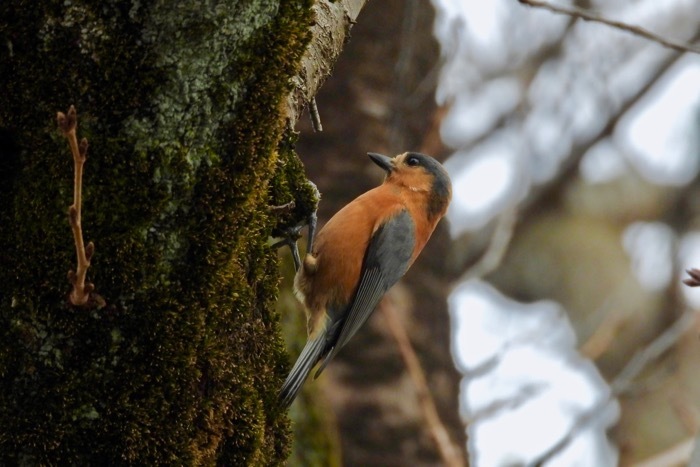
[(386, 163)]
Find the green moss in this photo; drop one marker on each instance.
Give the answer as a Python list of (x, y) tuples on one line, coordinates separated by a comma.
[(181, 105)]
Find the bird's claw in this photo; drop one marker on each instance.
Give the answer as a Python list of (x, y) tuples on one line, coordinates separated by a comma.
[(291, 235)]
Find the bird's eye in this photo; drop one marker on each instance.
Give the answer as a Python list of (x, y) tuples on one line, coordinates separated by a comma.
[(413, 161)]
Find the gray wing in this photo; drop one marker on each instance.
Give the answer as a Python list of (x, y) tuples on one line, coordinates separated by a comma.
[(386, 261)]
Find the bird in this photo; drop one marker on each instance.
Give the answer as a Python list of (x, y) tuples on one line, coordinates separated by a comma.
[(361, 252)]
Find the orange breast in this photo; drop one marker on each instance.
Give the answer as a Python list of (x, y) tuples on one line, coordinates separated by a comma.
[(340, 246)]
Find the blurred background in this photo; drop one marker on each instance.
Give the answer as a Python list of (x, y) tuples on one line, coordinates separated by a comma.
[(547, 312)]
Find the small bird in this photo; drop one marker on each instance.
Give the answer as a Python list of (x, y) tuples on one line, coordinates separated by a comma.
[(363, 250)]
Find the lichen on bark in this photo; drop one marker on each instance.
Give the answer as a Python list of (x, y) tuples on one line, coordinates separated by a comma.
[(183, 107)]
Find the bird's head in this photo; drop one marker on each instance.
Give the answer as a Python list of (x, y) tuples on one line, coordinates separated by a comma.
[(419, 173)]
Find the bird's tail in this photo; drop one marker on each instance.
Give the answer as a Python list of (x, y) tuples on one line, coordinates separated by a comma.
[(312, 353)]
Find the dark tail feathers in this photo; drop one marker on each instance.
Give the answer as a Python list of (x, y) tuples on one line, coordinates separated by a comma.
[(312, 353)]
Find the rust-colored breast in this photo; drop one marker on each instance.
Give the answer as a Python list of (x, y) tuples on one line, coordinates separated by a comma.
[(339, 249), (330, 277)]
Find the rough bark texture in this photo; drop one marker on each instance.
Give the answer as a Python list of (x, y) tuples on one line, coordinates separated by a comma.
[(184, 108), (331, 30)]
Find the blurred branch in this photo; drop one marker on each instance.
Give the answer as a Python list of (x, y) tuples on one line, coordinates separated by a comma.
[(685, 411), (492, 410), (613, 319), (694, 279), (315, 116), (603, 336), (586, 15), (450, 454), (569, 169), (623, 382), (550, 190), (581, 422), (497, 248), (678, 454)]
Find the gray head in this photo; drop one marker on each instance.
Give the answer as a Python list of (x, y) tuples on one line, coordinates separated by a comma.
[(418, 172)]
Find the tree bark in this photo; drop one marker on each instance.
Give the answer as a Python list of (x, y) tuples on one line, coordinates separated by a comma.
[(185, 109)]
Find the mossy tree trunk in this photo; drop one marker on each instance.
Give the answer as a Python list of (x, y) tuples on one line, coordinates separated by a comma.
[(185, 108)]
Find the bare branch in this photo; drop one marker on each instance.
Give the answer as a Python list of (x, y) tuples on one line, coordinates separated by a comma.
[(509, 403), (569, 168), (331, 30), (623, 381), (614, 317), (315, 116), (586, 15), (581, 422), (497, 248), (694, 279), (654, 350), (67, 124), (678, 454)]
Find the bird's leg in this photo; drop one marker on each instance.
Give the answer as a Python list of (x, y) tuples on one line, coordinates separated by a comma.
[(291, 235), (312, 220)]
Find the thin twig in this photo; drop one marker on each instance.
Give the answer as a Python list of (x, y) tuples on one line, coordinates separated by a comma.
[(315, 116), (686, 412), (694, 279), (568, 169), (678, 454), (67, 124), (508, 403), (604, 335), (450, 454), (581, 422), (283, 209), (623, 381), (652, 351), (497, 248), (596, 18)]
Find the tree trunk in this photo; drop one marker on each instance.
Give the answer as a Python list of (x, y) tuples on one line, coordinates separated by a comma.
[(177, 357)]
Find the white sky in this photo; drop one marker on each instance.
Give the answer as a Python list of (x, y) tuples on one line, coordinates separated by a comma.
[(656, 136)]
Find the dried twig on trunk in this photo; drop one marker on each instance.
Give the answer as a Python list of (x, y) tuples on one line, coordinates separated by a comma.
[(79, 295)]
